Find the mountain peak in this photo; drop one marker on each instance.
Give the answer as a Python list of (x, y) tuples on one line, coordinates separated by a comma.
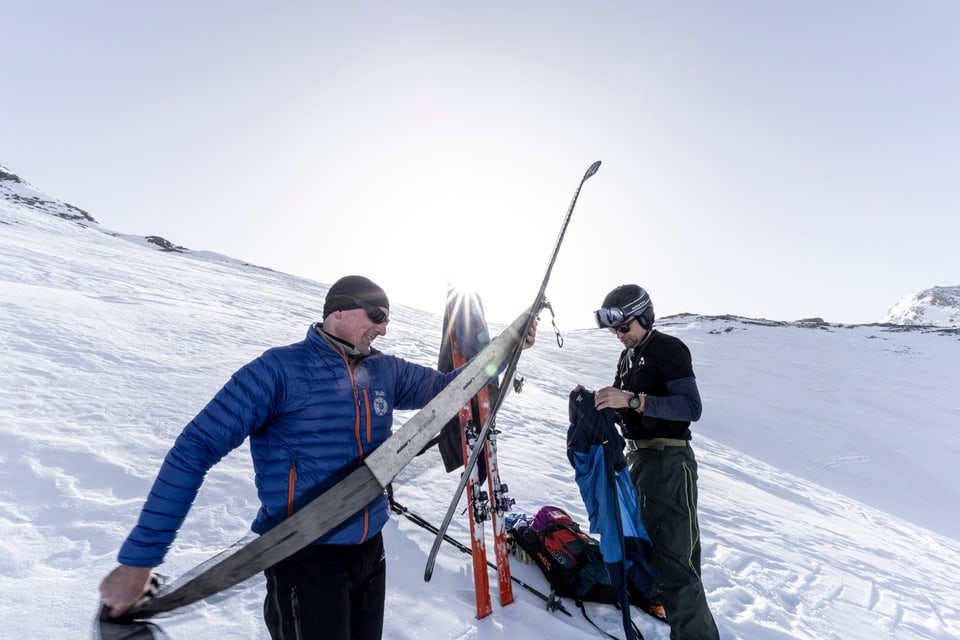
[(938, 306)]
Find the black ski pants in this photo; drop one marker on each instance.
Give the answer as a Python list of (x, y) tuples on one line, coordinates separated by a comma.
[(328, 592)]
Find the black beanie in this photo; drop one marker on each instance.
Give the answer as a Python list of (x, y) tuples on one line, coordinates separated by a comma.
[(352, 292)]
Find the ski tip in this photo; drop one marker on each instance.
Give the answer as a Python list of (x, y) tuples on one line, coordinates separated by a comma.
[(427, 574), (592, 170)]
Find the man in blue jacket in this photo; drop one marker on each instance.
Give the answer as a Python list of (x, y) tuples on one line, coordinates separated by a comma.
[(656, 392), (312, 410)]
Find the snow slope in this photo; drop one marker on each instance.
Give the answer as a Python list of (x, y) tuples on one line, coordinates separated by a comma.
[(826, 452)]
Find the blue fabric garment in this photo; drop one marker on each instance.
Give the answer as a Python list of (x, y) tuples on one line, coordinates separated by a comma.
[(603, 502), (311, 415), (595, 450)]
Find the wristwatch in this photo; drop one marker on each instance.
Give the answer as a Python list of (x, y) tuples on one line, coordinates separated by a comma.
[(634, 402)]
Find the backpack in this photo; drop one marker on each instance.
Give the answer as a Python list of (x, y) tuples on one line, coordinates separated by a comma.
[(571, 561), (569, 558)]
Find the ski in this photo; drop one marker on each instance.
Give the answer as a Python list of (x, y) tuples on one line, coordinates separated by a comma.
[(345, 498), (456, 334), (500, 504), (508, 377), (465, 333)]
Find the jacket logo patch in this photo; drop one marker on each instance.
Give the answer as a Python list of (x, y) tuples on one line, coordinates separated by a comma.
[(380, 406)]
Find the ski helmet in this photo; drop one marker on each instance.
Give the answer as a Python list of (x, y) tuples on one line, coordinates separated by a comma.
[(626, 301)]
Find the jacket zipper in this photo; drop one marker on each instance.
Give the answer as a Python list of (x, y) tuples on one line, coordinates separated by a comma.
[(360, 411), (291, 485)]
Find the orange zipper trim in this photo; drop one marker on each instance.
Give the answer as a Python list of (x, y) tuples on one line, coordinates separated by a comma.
[(291, 483), (356, 429)]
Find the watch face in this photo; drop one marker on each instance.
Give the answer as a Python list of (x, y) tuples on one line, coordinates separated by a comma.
[(634, 402)]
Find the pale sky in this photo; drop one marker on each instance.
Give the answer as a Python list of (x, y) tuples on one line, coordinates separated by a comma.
[(767, 159)]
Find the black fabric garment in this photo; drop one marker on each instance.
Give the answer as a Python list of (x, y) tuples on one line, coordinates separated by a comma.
[(648, 369), (329, 591), (595, 450), (590, 426)]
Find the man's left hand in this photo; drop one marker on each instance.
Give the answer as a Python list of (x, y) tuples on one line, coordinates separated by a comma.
[(612, 398), (531, 335)]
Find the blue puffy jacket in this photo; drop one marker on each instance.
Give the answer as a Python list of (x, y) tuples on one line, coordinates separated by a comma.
[(311, 415)]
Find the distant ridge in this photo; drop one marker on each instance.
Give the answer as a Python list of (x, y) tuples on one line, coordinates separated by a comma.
[(19, 192), (938, 307), (15, 189)]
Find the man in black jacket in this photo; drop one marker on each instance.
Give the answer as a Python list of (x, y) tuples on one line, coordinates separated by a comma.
[(656, 392)]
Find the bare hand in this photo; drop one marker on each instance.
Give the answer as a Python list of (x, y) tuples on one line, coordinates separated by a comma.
[(612, 398), (531, 335), (123, 587)]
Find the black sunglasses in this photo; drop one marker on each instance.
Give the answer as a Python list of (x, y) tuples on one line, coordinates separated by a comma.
[(625, 327), (376, 314)]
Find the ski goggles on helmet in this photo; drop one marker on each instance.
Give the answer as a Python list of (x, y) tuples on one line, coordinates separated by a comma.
[(609, 317), (616, 317)]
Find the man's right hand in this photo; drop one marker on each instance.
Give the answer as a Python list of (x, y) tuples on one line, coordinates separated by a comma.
[(123, 588)]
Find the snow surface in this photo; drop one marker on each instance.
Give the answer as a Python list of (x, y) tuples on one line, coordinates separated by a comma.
[(827, 453)]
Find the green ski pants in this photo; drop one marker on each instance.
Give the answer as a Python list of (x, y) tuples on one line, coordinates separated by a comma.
[(666, 482)]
